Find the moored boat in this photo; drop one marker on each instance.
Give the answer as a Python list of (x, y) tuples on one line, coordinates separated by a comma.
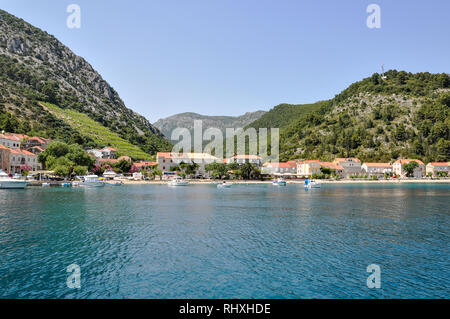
[(92, 181), (7, 182), (311, 183), (279, 182), (224, 185), (178, 181)]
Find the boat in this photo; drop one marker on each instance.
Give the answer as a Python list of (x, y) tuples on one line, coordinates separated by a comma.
[(311, 183), (66, 184), (45, 184), (224, 185), (92, 181), (214, 183), (279, 182), (178, 181), (7, 182)]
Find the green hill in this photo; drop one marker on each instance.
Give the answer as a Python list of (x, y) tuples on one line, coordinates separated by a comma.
[(376, 119), (97, 132), (35, 66)]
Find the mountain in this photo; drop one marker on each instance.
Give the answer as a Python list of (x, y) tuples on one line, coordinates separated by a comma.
[(35, 67), (380, 118), (186, 120)]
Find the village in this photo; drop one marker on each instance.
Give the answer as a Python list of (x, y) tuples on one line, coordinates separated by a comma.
[(19, 157)]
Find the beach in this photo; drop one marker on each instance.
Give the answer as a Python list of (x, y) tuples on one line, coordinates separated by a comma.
[(299, 181)]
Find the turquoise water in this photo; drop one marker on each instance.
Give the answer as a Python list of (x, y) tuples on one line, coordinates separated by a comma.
[(256, 241)]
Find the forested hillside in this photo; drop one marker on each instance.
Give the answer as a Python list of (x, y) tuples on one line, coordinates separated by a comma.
[(377, 119), (35, 66)]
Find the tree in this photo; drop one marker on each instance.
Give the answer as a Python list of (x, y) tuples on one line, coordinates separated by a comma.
[(410, 167), (80, 170), (123, 166)]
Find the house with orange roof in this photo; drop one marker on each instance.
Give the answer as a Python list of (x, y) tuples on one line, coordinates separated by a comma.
[(335, 168), (145, 164), (287, 168), (104, 153), (167, 160), (436, 169), (398, 168), (350, 166), (10, 140), (35, 144), (378, 169), (22, 160), (308, 168)]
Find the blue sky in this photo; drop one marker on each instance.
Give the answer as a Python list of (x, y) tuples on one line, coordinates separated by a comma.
[(228, 57)]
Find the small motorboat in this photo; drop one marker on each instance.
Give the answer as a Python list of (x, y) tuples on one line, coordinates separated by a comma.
[(224, 185), (45, 184), (178, 181), (10, 183), (311, 183), (279, 182), (92, 181), (66, 184)]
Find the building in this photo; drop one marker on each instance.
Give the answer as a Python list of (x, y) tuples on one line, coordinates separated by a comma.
[(5, 158), (334, 168), (22, 160), (288, 168), (10, 140), (398, 168), (104, 153), (167, 160), (242, 159), (308, 168), (35, 144), (350, 166), (435, 169), (145, 165), (378, 169)]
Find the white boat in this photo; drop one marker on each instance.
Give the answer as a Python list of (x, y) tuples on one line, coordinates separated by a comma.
[(9, 183), (45, 185), (311, 183), (279, 182), (178, 181), (224, 185), (92, 181)]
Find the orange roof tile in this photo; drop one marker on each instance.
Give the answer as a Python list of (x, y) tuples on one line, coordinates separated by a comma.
[(439, 163)]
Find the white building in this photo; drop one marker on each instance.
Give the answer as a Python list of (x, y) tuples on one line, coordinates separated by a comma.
[(21, 160), (438, 168), (351, 166), (378, 169), (288, 168), (398, 168), (10, 140), (308, 168), (167, 160)]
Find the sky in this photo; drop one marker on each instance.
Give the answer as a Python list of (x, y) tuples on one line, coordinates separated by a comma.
[(228, 57)]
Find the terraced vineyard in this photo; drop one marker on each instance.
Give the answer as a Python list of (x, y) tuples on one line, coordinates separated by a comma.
[(100, 134)]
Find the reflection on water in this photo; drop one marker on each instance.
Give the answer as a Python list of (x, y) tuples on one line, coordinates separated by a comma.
[(256, 241)]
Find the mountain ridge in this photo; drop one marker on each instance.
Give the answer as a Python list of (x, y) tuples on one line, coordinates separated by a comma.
[(35, 66), (186, 120)]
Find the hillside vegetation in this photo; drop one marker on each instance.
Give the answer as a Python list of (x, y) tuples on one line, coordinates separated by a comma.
[(376, 119), (35, 66), (99, 134)]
